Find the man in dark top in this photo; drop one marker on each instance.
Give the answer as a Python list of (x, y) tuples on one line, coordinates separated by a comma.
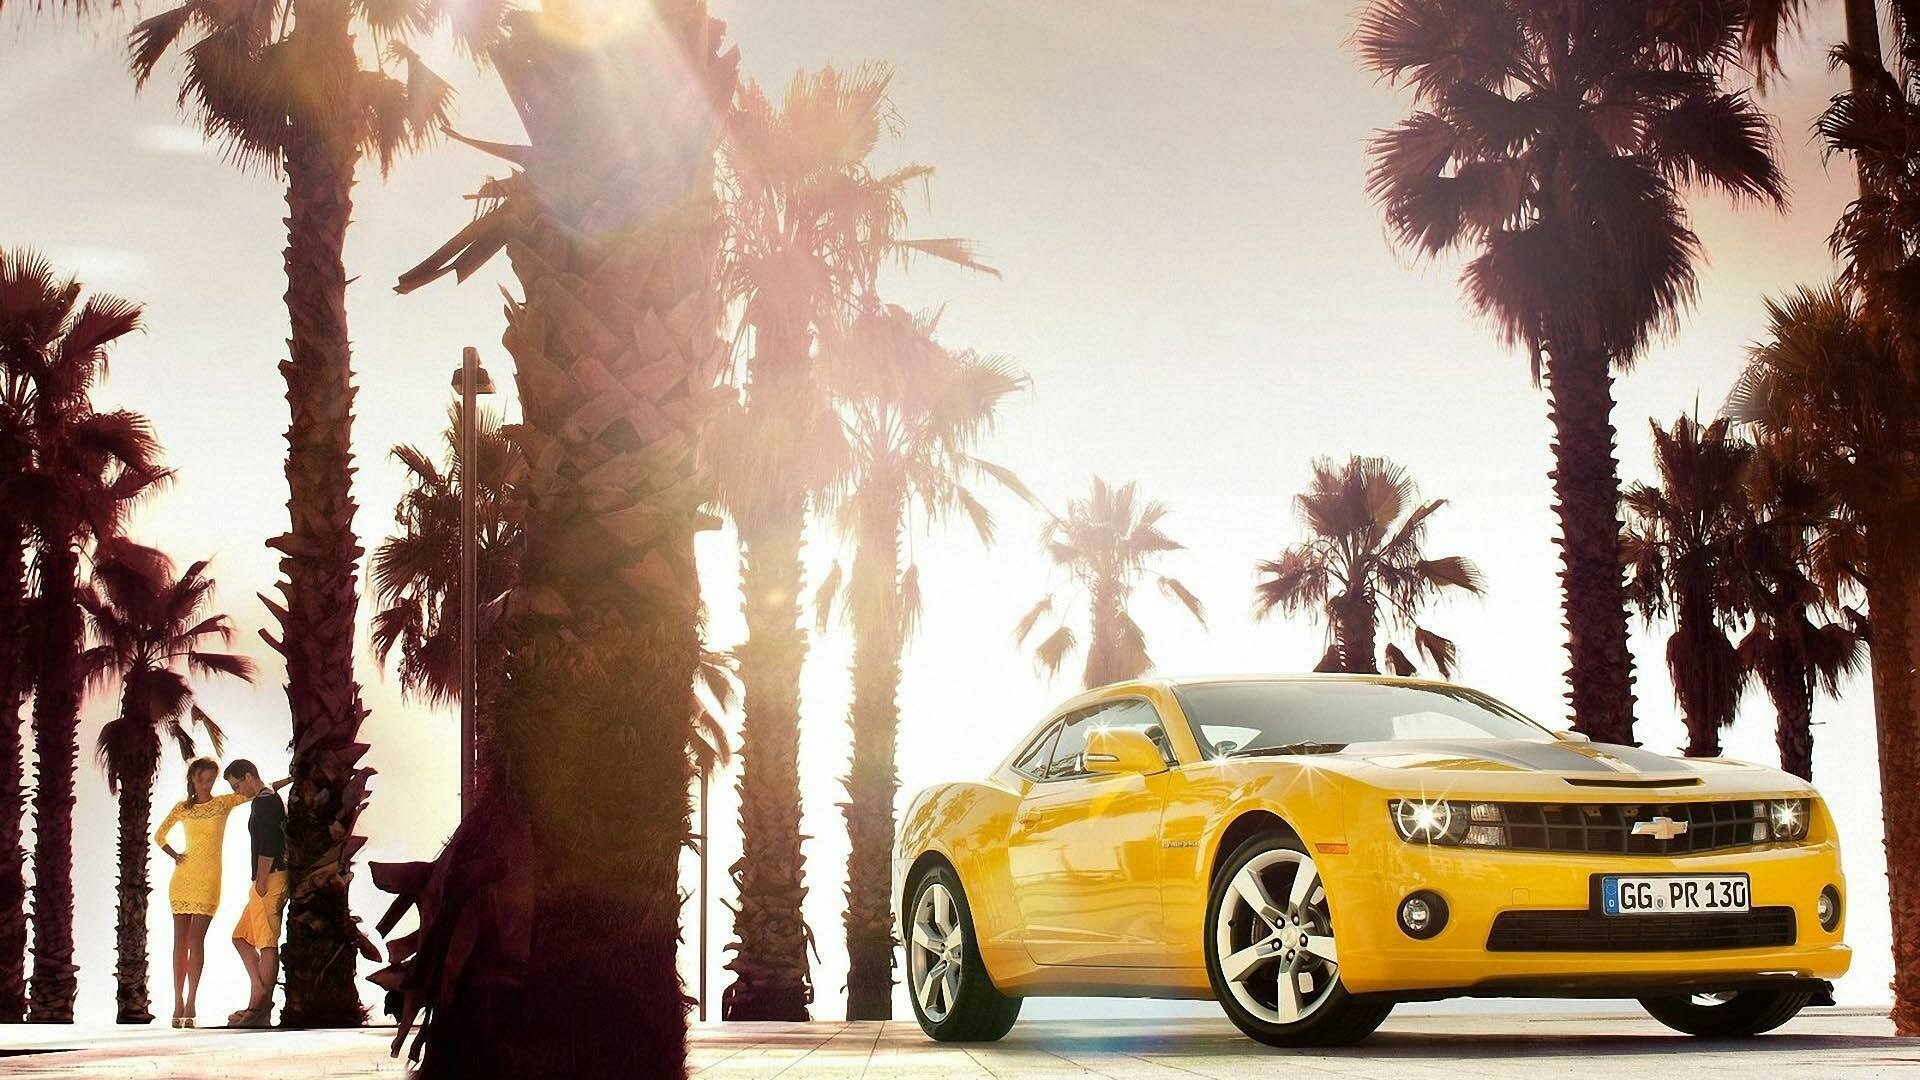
[(257, 935)]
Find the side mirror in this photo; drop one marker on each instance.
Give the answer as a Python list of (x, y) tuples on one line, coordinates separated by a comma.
[(1121, 751), (1571, 736)]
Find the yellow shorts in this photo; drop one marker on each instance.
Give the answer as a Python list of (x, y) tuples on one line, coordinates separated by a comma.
[(259, 924)]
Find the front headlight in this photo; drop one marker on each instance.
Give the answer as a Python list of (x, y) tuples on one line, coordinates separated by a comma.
[(1789, 818), (1429, 821), (1449, 822)]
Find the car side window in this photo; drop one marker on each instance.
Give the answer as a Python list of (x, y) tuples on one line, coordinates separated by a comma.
[(1033, 763), (1140, 715)]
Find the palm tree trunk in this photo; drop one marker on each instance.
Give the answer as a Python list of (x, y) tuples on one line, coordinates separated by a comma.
[(130, 922), (1586, 488), (1863, 35), (1792, 697), (1353, 620), (1103, 647), (1893, 599), (320, 560), (616, 353), (873, 780), (56, 717), (1686, 650), (15, 681), (771, 979)]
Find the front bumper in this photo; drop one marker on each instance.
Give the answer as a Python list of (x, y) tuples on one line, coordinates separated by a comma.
[(1367, 885)]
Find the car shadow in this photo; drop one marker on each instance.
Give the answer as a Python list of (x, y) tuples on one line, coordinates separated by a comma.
[(1147, 1041)]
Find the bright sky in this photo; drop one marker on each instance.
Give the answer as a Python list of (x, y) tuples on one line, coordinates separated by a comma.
[(1192, 274)]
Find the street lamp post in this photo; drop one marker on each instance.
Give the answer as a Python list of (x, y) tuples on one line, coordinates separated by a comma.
[(703, 893), (471, 380)]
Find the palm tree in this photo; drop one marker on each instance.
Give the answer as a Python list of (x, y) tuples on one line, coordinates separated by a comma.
[(1796, 554), (20, 296), (1554, 141), (1834, 387), (1682, 547), (82, 469), (912, 413), (1363, 559), (1106, 543), (283, 87), (567, 872), (150, 630), (809, 223), (416, 573)]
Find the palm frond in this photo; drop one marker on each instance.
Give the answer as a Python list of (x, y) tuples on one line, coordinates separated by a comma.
[(1031, 619), (1173, 588), (823, 597), (1053, 651)]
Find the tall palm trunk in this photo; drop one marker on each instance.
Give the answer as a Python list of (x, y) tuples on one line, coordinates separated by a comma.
[(1893, 598), (1863, 35), (1791, 692), (1354, 633), (1706, 674), (1586, 488), (872, 778), (614, 238), (320, 559), (15, 680), (1103, 652), (56, 718), (771, 980), (130, 920)]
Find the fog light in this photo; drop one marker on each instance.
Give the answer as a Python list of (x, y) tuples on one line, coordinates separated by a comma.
[(1828, 909), (1423, 914)]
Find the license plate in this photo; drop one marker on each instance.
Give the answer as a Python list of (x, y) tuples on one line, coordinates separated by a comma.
[(1688, 894)]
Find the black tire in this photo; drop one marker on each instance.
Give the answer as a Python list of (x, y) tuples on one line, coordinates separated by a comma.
[(1340, 1019), (1748, 1013), (979, 1011)]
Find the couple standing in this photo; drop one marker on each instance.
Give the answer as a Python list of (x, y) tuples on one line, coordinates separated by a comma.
[(195, 890)]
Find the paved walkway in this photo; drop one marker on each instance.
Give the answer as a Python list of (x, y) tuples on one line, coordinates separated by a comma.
[(1506, 1046)]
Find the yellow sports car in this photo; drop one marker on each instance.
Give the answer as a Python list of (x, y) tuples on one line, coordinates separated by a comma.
[(1310, 850)]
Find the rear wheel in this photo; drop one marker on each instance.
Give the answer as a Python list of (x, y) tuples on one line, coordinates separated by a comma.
[(952, 996), (1272, 955), (1731, 1014)]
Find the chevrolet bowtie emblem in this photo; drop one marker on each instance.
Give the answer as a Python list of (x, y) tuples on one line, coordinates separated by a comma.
[(1660, 828)]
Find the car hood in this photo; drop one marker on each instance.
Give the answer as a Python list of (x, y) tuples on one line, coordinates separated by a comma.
[(1598, 762)]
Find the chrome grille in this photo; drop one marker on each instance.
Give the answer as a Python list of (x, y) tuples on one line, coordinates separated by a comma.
[(1607, 828)]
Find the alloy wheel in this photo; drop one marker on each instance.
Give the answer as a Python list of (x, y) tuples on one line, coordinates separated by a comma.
[(1274, 938), (934, 956)]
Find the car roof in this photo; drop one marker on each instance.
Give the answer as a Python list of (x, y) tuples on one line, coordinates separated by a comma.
[(1174, 682)]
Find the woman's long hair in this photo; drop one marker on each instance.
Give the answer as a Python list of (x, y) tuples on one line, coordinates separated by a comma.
[(194, 767)]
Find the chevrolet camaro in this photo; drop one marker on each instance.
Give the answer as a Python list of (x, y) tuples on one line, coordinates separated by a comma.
[(1311, 850)]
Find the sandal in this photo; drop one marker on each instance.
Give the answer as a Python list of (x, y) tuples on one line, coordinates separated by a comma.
[(255, 1018)]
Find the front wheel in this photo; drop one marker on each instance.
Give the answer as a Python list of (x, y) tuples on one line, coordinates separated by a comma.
[(1272, 955), (1734, 1014), (953, 998)]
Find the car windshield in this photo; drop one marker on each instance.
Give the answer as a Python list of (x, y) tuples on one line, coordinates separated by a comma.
[(1276, 716)]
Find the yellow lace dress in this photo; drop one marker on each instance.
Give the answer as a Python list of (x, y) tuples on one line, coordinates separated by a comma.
[(195, 889)]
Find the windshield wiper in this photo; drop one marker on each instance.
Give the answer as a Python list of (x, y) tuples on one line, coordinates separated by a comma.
[(1284, 749)]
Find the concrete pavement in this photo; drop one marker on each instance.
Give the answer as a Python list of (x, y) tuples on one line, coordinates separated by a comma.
[(1486, 1046)]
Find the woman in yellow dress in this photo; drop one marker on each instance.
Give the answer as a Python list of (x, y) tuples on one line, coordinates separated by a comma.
[(195, 889)]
